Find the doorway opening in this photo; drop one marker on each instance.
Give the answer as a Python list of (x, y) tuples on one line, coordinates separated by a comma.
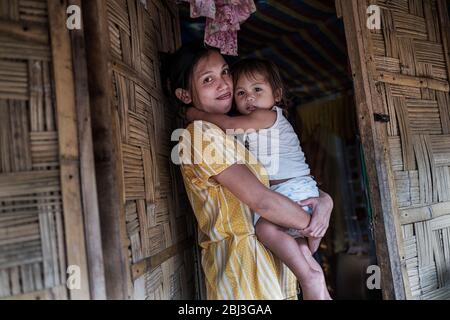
[(307, 41)]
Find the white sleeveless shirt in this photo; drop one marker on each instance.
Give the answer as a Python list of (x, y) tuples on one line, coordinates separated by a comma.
[(278, 149)]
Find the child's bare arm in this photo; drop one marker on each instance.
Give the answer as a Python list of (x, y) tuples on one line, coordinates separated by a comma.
[(258, 119)]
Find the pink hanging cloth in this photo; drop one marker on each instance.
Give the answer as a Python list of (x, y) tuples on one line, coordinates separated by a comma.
[(223, 19)]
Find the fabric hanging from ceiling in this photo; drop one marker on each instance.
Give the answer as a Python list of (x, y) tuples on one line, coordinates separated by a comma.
[(223, 20)]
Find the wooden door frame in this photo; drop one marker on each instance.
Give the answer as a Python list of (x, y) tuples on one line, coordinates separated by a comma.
[(94, 248), (107, 157), (375, 144), (69, 152)]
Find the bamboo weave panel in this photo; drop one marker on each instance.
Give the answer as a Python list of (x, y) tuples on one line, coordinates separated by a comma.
[(410, 47), (156, 212), (32, 249)]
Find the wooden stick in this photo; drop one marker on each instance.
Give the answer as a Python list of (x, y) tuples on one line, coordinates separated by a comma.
[(410, 81), (68, 144)]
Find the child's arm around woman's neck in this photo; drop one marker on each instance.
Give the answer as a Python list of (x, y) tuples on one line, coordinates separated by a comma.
[(258, 119)]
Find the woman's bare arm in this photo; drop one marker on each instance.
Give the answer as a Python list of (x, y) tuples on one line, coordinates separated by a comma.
[(272, 206), (258, 119)]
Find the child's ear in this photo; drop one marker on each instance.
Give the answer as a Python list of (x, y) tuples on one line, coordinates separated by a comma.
[(183, 95), (278, 95)]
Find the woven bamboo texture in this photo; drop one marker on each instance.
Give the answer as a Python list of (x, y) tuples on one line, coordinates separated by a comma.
[(412, 74), (158, 225), (32, 249)]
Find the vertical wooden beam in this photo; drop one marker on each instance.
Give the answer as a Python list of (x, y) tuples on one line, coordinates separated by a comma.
[(374, 140), (338, 6), (88, 181), (106, 154), (445, 31), (68, 143)]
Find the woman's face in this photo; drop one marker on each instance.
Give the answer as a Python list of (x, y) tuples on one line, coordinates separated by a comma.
[(212, 86)]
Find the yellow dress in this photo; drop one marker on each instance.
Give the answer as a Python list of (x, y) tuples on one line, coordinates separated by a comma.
[(236, 265)]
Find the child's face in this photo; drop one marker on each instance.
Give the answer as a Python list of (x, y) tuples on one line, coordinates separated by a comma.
[(253, 93), (212, 86)]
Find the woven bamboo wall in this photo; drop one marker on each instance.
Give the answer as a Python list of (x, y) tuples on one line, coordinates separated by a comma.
[(158, 226), (412, 70), (35, 213)]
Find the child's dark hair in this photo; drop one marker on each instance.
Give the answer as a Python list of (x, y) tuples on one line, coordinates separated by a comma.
[(250, 67), (178, 67)]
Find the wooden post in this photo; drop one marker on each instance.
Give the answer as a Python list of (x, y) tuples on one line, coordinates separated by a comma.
[(87, 167), (107, 166), (445, 33), (68, 144), (374, 140)]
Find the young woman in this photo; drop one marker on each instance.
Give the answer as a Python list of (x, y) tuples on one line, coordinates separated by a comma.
[(259, 95), (224, 193)]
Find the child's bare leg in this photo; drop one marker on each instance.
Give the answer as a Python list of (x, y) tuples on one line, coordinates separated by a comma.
[(292, 252), (306, 252), (313, 244)]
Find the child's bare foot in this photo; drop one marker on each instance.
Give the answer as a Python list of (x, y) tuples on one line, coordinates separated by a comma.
[(313, 244)]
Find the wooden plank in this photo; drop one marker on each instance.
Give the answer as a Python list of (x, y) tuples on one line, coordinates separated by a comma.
[(87, 167), (150, 263), (410, 81), (55, 293), (423, 213), (444, 22), (374, 141), (68, 144), (338, 8), (30, 32), (107, 170)]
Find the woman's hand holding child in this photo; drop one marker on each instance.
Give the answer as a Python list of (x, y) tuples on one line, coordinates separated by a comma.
[(320, 219)]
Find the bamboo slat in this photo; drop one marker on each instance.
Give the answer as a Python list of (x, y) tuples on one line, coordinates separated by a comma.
[(433, 54), (13, 49), (443, 102), (13, 80), (133, 172), (56, 293), (405, 133), (424, 117), (400, 5), (33, 10)]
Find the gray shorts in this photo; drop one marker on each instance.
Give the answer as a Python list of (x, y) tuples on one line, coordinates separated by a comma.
[(296, 189)]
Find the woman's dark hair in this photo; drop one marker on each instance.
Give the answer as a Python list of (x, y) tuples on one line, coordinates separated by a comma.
[(178, 67), (251, 67)]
